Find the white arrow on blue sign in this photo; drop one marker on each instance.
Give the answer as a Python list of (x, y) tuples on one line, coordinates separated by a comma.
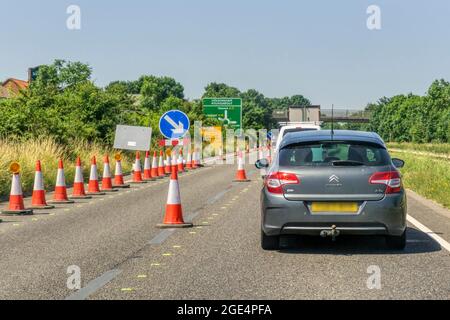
[(174, 124)]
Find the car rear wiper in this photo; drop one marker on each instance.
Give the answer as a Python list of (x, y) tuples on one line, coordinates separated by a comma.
[(347, 163)]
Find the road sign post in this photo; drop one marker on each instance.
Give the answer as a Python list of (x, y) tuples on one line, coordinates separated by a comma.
[(226, 110)]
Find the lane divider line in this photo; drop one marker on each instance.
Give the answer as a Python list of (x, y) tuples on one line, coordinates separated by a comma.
[(444, 244), (94, 285), (162, 236)]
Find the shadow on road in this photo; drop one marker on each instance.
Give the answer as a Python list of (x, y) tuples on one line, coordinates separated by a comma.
[(417, 242)]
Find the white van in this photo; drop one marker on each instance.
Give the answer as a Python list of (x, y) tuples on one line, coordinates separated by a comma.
[(288, 127)]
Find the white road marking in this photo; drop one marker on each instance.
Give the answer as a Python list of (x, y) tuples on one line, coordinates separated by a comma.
[(444, 244), (94, 285)]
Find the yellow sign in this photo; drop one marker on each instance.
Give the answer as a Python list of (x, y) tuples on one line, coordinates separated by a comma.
[(118, 156), (14, 167), (168, 152)]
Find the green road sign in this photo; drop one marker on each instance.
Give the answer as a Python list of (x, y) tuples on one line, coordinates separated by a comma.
[(227, 110)]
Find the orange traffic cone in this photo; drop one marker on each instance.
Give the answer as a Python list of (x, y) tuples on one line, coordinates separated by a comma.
[(60, 195), (118, 176), (137, 173), (194, 160), (154, 170), (147, 168), (93, 186), (174, 213), (161, 171), (168, 167), (16, 205), (189, 161), (180, 162), (38, 199), (240, 175), (106, 178), (78, 191)]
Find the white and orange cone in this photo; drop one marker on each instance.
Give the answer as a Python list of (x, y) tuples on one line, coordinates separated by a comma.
[(106, 178), (38, 199), (118, 176), (16, 205), (168, 167), (93, 186), (194, 160), (60, 194), (78, 191), (189, 161), (137, 172), (161, 171), (173, 217), (154, 170), (197, 159), (147, 168), (240, 174), (180, 162)]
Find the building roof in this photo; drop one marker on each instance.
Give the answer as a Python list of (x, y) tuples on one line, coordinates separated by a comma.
[(11, 87), (21, 84)]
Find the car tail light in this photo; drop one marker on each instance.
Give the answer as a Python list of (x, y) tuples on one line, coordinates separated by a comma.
[(276, 180), (391, 179)]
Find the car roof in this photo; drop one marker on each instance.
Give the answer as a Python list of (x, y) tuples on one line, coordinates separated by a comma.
[(325, 135)]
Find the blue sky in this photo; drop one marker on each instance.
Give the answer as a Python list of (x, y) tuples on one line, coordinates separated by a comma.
[(321, 49)]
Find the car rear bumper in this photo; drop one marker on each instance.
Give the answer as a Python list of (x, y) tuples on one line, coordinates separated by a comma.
[(383, 217)]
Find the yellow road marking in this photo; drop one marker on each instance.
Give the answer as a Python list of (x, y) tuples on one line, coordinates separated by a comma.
[(66, 209), (127, 289), (155, 264), (141, 276), (192, 232), (16, 225), (176, 247), (168, 254)]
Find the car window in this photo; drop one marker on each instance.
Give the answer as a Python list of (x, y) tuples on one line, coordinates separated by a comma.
[(324, 153), (298, 130)]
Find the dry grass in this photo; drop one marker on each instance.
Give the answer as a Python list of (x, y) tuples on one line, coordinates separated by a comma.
[(48, 151), (437, 148)]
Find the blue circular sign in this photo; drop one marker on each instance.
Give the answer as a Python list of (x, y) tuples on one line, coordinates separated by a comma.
[(174, 124)]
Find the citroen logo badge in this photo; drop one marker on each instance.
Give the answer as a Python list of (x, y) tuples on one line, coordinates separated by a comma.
[(334, 178)]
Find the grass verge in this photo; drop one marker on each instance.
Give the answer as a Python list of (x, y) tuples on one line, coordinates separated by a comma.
[(438, 148), (427, 176)]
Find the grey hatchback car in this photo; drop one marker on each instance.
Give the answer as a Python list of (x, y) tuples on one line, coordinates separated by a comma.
[(333, 183)]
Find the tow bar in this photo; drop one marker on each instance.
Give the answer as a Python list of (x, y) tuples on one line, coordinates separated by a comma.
[(333, 233)]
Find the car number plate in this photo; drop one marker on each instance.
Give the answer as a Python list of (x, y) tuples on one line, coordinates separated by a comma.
[(351, 207)]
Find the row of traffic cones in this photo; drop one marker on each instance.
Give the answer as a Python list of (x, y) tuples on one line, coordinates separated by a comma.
[(16, 203)]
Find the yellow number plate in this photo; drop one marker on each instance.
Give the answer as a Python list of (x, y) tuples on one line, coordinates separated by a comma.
[(334, 207)]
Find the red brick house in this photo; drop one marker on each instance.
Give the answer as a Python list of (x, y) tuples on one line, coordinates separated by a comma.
[(11, 87)]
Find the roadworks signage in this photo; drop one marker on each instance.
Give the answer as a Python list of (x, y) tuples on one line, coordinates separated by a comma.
[(174, 124), (133, 138), (226, 110)]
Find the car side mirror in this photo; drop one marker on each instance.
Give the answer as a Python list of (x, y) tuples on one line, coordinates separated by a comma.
[(398, 163), (262, 163)]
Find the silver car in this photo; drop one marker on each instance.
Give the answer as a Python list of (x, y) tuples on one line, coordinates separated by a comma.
[(331, 183)]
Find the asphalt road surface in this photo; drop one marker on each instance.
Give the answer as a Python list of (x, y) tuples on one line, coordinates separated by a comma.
[(122, 255)]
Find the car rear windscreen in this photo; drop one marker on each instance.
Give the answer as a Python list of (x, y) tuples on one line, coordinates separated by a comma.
[(333, 153)]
